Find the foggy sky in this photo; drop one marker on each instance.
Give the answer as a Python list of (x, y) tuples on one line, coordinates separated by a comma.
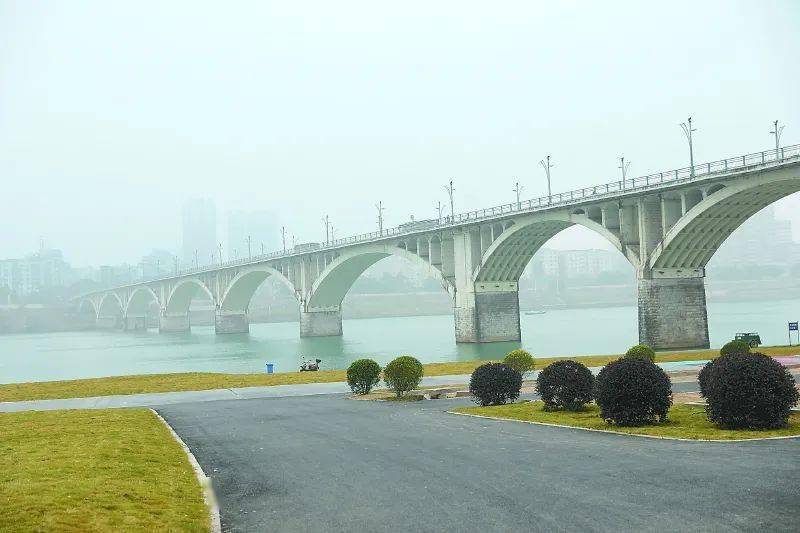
[(112, 114)]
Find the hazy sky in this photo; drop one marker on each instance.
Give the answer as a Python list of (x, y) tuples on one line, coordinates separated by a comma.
[(112, 114)]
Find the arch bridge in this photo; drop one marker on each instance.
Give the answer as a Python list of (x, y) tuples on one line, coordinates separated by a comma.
[(667, 225)]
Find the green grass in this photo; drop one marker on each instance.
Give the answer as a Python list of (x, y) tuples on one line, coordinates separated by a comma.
[(685, 422), (192, 381), (95, 470)]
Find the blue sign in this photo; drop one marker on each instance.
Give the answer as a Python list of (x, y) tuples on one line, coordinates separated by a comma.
[(793, 326)]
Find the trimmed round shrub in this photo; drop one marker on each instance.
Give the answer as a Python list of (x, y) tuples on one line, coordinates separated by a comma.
[(633, 392), (735, 347), (520, 360), (403, 374), (565, 385), (362, 375), (495, 384), (704, 377), (749, 391), (641, 351)]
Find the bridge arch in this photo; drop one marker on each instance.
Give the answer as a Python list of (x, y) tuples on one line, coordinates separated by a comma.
[(180, 297), (140, 301), (242, 287), (506, 258), (335, 280), (698, 234), (111, 306)]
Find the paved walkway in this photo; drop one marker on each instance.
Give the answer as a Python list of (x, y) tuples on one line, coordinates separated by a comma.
[(169, 398)]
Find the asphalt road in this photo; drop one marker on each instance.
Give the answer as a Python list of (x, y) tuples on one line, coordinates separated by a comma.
[(326, 463)]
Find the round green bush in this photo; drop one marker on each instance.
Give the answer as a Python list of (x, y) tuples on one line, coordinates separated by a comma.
[(565, 385), (749, 391), (735, 348), (403, 374), (362, 375), (641, 351), (520, 360), (633, 392), (495, 384)]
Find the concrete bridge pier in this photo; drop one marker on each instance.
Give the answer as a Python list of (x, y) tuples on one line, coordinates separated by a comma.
[(173, 323), (672, 309), (225, 322), (489, 313), (325, 322), (108, 322), (135, 323)]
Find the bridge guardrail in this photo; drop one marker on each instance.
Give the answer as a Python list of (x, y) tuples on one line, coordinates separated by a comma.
[(543, 202)]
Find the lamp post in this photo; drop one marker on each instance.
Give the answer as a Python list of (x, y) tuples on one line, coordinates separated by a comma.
[(547, 166), (283, 237), (518, 189), (326, 220), (439, 208), (623, 166), (777, 133), (249, 254), (687, 131), (380, 208), (450, 190)]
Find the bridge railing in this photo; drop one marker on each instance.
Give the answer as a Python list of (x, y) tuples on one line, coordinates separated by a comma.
[(544, 202)]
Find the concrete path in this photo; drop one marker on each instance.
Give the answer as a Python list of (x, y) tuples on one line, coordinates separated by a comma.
[(332, 464), (168, 398)]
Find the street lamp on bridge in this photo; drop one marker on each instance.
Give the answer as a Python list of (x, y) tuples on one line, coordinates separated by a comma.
[(547, 166), (687, 131), (518, 189), (381, 209), (450, 190), (623, 166), (777, 133)]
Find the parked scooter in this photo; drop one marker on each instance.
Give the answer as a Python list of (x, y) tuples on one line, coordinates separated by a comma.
[(310, 366)]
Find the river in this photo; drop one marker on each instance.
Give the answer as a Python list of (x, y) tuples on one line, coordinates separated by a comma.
[(84, 354)]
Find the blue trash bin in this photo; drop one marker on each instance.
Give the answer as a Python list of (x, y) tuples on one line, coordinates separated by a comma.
[(270, 366)]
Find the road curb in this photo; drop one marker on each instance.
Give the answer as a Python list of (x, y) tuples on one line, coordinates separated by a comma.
[(611, 431), (205, 482)]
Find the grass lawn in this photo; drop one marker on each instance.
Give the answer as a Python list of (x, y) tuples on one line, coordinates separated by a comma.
[(189, 381), (95, 470), (685, 421)]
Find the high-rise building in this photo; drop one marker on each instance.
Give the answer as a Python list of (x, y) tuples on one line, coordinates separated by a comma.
[(199, 233), (259, 226), (45, 269)]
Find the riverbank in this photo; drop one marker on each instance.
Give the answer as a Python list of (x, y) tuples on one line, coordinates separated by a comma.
[(200, 381), (98, 470)]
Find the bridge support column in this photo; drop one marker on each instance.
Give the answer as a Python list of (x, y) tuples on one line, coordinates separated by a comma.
[(672, 309), (135, 323), (321, 322), (173, 323), (231, 323), (490, 313), (108, 322)]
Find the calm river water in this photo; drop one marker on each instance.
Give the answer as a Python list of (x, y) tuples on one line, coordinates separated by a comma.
[(53, 356)]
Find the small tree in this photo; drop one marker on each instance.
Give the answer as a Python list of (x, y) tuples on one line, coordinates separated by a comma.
[(641, 351), (749, 391), (633, 392), (565, 385), (403, 374), (362, 375), (735, 348), (520, 360), (495, 384)]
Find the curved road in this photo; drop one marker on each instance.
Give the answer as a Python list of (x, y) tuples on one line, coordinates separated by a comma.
[(326, 463)]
